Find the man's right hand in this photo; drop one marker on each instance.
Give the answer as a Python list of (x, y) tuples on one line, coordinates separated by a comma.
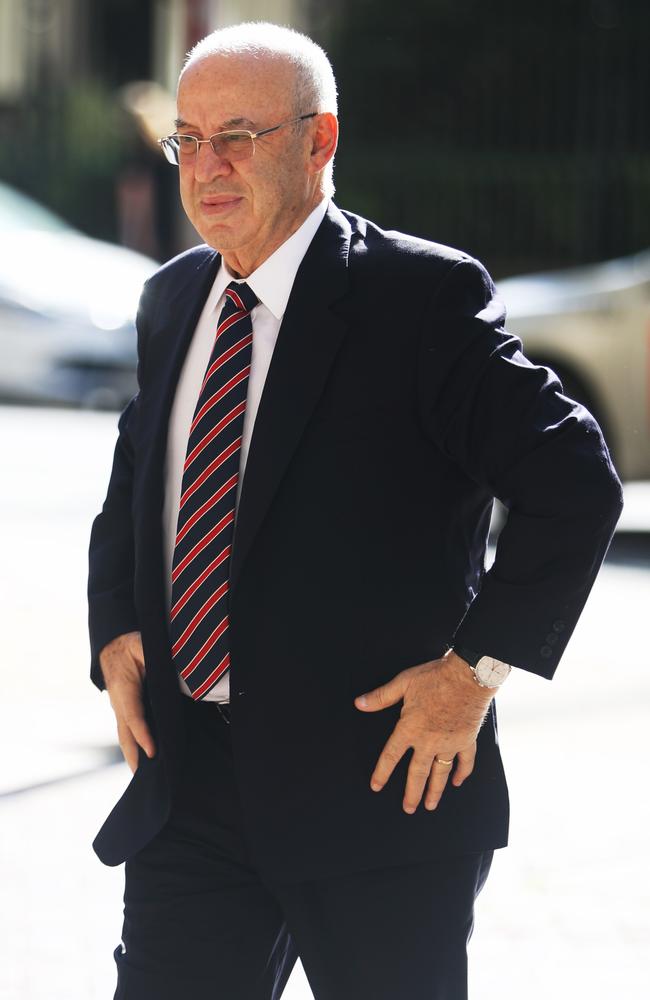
[(122, 663)]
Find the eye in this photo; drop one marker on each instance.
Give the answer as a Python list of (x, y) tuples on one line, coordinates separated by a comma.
[(235, 138)]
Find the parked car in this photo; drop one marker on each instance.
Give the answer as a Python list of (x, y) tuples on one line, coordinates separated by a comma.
[(67, 310), (591, 325)]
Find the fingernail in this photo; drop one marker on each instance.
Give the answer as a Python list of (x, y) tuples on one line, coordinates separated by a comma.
[(362, 701), (409, 809), (430, 805), (376, 787)]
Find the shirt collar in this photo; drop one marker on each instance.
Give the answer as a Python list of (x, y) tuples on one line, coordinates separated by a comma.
[(273, 280)]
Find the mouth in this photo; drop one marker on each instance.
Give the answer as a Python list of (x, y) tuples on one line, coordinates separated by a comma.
[(219, 204)]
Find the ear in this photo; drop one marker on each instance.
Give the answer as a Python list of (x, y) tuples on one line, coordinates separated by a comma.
[(324, 137)]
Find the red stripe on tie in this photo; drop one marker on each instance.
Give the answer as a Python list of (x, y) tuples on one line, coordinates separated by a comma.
[(205, 648), (182, 601), (215, 432), (211, 535), (199, 616), (205, 507), (227, 323), (236, 299), (214, 399), (214, 464), (226, 356), (213, 678)]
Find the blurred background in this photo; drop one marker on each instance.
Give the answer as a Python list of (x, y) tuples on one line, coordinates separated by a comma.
[(518, 132)]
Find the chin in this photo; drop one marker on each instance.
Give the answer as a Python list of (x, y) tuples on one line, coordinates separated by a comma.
[(220, 241), (214, 236)]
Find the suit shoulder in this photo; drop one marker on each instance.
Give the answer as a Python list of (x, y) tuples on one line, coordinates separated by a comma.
[(407, 255), (181, 267)]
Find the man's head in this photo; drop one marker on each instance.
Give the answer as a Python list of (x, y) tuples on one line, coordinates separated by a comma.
[(253, 77)]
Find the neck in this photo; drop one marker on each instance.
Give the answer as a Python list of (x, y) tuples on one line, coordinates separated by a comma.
[(243, 261)]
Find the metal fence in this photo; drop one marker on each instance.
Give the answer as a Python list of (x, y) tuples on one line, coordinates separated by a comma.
[(517, 131)]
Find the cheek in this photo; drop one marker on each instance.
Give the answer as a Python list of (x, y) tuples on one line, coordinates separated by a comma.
[(185, 188), (275, 194), (267, 182)]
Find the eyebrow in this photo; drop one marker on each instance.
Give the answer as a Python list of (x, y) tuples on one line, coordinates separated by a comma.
[(231, 123)]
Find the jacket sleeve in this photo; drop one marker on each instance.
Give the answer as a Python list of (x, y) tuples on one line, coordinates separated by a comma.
[(508, 425), (111, 608)]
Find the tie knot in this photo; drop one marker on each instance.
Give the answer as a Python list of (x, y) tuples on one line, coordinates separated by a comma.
[(242, 296)]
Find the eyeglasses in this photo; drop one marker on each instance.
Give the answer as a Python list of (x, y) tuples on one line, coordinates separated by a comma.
[(234, 145)]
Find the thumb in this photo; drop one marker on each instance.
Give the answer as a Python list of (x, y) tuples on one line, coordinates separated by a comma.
[(383, 696)]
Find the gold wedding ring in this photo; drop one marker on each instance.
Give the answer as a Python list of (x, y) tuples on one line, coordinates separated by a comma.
[(447, 763)]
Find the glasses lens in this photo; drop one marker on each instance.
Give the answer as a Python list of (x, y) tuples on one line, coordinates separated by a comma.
[(170, 149), (186, 146), (233, 146)]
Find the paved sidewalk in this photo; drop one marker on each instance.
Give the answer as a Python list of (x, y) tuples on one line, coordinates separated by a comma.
[(566, 908)]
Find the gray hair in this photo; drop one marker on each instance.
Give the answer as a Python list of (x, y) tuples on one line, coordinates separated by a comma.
[(314, 83)]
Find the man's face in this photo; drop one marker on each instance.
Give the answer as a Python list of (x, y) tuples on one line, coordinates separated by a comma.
[(248, 208)]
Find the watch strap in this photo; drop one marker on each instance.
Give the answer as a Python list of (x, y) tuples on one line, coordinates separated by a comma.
[(469, 655)]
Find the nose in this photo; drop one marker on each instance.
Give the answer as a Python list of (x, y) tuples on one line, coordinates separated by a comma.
[(208, 165)]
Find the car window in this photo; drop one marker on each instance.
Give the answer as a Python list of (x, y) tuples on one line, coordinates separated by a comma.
[(18, 212)]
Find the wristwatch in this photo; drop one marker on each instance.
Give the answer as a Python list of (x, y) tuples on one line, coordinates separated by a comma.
[(488, 672)]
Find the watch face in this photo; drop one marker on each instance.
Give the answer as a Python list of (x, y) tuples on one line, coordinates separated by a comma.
[(491, 672)]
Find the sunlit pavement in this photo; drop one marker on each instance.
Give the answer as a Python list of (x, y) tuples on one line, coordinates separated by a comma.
[(566, 908)]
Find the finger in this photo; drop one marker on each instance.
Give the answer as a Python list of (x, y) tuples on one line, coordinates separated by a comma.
[(130, 711), (136, 650), (383, 696), (418, 773), (128, 746), (464, 765), (142, 734), (390, 756), (132, 715), (437, 782)]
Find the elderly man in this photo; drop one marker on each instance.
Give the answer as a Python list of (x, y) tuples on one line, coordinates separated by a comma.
[(288, 600)]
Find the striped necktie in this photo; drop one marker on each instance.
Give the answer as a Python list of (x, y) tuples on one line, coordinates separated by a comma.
[(206, 518)]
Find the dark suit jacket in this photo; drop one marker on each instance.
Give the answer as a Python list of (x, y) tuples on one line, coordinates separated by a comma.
[(396, 406)]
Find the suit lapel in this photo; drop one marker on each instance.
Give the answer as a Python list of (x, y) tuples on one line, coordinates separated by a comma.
[(309, 338), (174, 333)]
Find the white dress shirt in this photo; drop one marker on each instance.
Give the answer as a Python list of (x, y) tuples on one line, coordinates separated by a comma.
[(272, 283)]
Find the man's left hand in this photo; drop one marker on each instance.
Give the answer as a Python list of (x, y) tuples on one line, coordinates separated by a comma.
[(442, 713)]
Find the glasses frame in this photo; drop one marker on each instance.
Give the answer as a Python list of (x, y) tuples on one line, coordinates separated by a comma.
[(236, 131)]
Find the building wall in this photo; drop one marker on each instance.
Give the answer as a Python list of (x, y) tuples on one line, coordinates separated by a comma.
[(180, 23), (42, 43)]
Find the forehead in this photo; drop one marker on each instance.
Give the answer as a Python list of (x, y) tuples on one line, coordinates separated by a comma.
[(218, 89)]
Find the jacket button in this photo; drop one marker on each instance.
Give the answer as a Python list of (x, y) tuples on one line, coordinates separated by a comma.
[(552, 638), (559, 625), (546, 651)]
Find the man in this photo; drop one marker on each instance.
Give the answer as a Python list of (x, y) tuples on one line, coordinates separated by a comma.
[(288, 602)]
